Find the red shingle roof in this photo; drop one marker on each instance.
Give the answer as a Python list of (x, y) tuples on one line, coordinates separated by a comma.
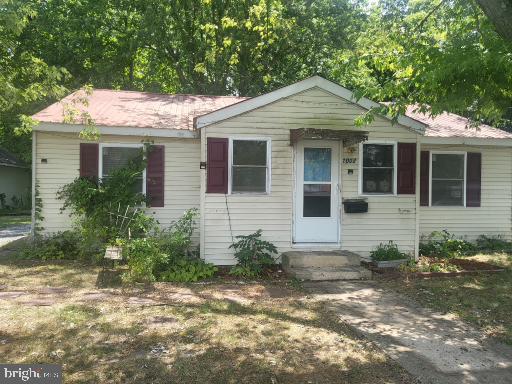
[(451, 125), (165, 111), (141, 109)]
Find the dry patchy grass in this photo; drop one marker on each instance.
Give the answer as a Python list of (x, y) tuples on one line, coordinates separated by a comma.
[(200, 333), (484, 299)]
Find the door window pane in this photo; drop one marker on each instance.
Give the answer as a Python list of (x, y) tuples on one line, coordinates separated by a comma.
[(317, 200), (317, 164), (448, 179)]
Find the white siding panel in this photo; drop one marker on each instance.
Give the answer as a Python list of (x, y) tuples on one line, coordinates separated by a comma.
[(182, 175), (494, 215), (389, 217)]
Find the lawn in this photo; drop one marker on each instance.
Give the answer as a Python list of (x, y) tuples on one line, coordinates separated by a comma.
[(484, 300), (262, 332), (9, 221)]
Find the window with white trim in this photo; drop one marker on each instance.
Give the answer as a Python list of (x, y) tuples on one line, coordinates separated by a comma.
[(378, 168), (448, 179), (250, 171), (116, 156)]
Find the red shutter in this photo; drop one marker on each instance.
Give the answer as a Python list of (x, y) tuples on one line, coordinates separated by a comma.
[(217, 165), (406, 165), (473, 179), (89, 153), (155, 171), (424, 177)]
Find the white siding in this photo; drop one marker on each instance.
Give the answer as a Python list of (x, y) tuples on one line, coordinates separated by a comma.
[(389, 217), (493, 217), (62, 152)]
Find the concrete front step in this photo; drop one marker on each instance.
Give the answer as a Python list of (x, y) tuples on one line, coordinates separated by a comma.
[(305, 259), (330, 273)]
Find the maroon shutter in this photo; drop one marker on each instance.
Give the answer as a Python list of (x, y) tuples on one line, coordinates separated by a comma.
[(155, 171), (406, 166), (424, 177), (473, 179), (89, 153), (217, 165)]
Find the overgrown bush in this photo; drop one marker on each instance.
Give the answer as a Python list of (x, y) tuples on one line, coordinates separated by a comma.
[(444, 245), (143, 256), (253, 255), (59, 246), (387, 252), (493, 244), (186, 270)]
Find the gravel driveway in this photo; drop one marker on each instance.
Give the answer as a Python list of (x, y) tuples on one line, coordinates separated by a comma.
[(433, 347)]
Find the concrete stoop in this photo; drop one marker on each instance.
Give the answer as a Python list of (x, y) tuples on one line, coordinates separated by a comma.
[(324, 265)]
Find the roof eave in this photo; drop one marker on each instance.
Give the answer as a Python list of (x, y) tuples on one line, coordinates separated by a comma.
[(45, 126), (470, 141)]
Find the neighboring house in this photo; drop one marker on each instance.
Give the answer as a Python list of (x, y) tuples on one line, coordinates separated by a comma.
[(14, 181), (289, 162)]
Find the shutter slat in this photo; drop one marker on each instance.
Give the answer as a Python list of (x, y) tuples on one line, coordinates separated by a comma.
[(424, 178), (473, 179), (155, 176), (406, 168), (89, 157), (217, 165)]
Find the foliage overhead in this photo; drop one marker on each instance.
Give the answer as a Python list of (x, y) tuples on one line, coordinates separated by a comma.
[(443, 55)]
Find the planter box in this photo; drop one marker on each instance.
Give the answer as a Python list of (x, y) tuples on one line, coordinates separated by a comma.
[(390, 263)]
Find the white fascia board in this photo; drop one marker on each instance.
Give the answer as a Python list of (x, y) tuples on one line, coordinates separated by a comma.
[(315, 81), (470, 141), (122, 131)]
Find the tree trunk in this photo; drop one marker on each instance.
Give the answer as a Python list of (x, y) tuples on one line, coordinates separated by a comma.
[(499, 13)]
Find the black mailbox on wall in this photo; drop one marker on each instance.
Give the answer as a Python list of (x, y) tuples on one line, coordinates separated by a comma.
[(355, 205)]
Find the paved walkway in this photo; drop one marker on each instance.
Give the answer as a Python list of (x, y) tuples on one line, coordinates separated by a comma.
[(13, 233), (435, 348)]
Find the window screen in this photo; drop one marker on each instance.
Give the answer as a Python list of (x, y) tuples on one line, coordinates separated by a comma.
[(378, 168), (448, 179), (118, 157), (249, 167)]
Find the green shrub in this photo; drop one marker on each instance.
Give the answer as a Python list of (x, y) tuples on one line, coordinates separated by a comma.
[(59, 246), (493, 244), (143, 257), (177, 240), (253, 255), (387, 252), (187, 270), (445, 245)]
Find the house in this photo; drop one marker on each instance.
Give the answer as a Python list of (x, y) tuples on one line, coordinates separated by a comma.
[(292, 163), (14, 181)]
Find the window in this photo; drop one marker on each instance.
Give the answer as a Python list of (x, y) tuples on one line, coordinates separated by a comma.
[(117, 156), (448, 172), (249, 166), (378, 169)]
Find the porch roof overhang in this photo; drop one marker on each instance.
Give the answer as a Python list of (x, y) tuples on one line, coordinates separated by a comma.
[(348, 137)]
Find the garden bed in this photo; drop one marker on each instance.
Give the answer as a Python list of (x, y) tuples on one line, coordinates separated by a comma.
[(464, 267)]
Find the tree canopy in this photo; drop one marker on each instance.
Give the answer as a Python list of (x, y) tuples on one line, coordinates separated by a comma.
[(444, 55)]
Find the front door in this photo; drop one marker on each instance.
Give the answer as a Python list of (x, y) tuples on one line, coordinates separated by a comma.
[(316, 202)]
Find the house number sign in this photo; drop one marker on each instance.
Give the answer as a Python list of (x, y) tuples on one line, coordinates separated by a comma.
[(349, 160)]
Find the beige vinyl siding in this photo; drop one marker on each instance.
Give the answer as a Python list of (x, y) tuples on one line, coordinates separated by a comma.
[(62, 151), (389, 217), (493, 217)]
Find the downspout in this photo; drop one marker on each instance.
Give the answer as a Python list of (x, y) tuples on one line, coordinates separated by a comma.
[(33, 211), (417, 200)]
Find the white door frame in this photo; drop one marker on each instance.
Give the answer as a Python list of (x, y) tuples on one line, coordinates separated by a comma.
[(335, 193)]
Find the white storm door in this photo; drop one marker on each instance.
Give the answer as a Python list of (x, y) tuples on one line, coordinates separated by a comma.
[(316, 203)]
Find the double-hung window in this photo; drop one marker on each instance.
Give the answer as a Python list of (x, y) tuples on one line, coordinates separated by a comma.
[(378, 168), (116, 156), (250, 168), (448, 171)]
